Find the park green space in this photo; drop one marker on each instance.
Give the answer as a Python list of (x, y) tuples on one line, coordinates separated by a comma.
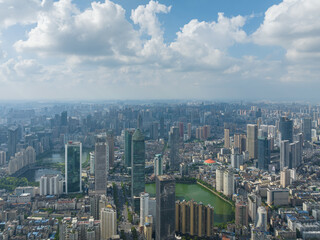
[(222, 210)]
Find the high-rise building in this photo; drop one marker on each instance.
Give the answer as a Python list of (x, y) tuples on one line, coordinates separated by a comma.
[(284, 154), (264, 153), (64, 119), (206, 132), (254, 201), (51, 185), (219, 179), (137, 168), (226, 138), (144, 207), (286, 129), (307, 122), (94, 207), (12, 141), (158, 168), (140, 122), (73, 167), (262, 223), (110, 140), (161, 127), (181, 129), (174, 148), (228, 183), (285, 177), (154, 131), (236, 160), (165, 210), (101, 164), (252, 140), (277, 196), (3, 158), (127, 147), (108, 223), (92, 160), (189, 131), (241, 218), (194, 219)]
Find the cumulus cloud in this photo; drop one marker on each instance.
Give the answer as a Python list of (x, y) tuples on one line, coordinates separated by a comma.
[(99, 31), (16, 11), (293, 25)]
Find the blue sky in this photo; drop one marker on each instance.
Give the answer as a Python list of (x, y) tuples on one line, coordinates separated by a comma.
[(178, 49)]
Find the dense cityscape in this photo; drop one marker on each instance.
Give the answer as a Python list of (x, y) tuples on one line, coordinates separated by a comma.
[(160, 170)]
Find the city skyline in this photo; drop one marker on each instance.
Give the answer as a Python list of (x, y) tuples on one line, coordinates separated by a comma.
[(66, 50)]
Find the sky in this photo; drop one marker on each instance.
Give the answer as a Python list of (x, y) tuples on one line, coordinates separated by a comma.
[(166, 49)]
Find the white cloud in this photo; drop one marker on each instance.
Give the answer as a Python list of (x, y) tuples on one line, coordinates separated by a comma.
[(99, 31), (19, 11), (293, 25)]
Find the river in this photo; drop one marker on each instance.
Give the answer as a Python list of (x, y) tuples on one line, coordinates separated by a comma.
[(222, 210)]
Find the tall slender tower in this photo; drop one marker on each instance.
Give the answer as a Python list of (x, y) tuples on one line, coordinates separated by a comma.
[(263, 153), (101, 164), (174, 148), (127, 147), (165, 207), (226, 138), (12, 140), (286, 129), (110, 138), (252, 140), (137, 168), (73, 167)]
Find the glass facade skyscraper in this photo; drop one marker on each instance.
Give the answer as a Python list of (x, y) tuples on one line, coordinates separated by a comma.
[(286, 129), (263, 153), (127, 147), (73, 160)]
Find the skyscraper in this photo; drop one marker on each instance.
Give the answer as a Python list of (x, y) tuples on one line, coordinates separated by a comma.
[(64, 118), (189, 130), (108, 223), (110, 138), (263, 153), (307, 122), (154, 131), (144, 207), (262, 222), (73, 167), (284, 154), (137, 167), (101, 164), (165, 210), (174, 148), (127, 147), (286, 129), (219, 179), (12, 140), (226, 138), (161, 127), (241, 218), (228, 183), (252, 140), (158, 168), (181, 129)]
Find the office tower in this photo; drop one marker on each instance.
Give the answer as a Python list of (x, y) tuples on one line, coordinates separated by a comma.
[(94, 206), (262, 223), (206, 132), (254, 201), (228, 183), (236, 141), (174, 148), (110, 142), (64, 119), (252, 140), (12, 140), (108, 223), (73, 167), (161, 127), (127, 147), (189, 130), (154, 131), (307, 129), (286, 129), (243, 143), (236, 160), (241, 218), (158, 168), (3, 158), (165, 197), (219, 179), (293, 148), (264, 153), (285, 177), (144, 207), (140, 122), (137, 168), (284, 154), (101, 153), (226, 138), (92, 160), (181, 129)]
